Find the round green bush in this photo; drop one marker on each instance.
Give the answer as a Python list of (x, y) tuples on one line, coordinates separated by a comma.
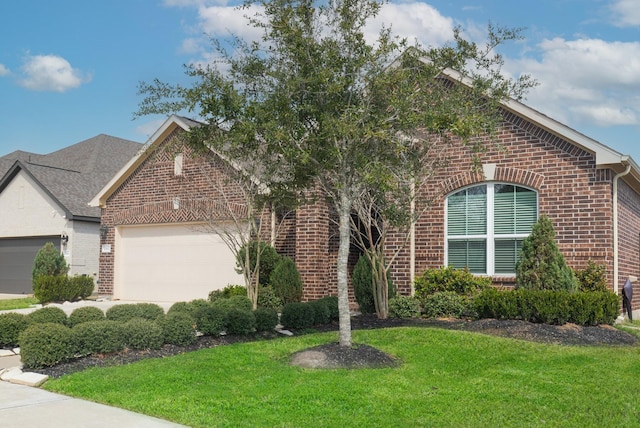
[(238, 321), (444, 304), (322, 314), (189, 308), (85, 314), (178, 328), (141, 333), (404, 307), (51, 288), (80, 287), (266, 319), (49, 314), (234, 302), (332, 304), (210, 320), (297, 315), (150, 311), (11, 325), (100, 337), (45, 344)]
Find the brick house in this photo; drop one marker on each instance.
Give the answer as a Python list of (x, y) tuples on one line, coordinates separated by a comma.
[(477, 218)]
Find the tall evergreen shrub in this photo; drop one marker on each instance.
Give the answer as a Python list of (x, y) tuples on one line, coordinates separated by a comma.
[(49, 261), (286, 282), (541, 265)]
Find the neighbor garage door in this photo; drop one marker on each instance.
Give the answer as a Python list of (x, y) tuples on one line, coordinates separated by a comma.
[(16, 262), (170, 263)]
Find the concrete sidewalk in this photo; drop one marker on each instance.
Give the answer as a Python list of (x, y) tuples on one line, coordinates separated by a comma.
[(27, 407)]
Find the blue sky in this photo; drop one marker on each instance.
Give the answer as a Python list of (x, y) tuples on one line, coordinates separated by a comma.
[(69, 69)]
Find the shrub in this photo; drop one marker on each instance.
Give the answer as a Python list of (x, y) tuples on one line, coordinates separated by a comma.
[(297, 315), (404, 307), (239, 321), (85, 314), (141, 333), (210, 320), (286, 282), (269, 258), (188, 307), (234, 302), (362, 280), (459, 281), (541, 265), (99, 337), (49, 261), (444, 304), (322, 314), (50, 288), (332, 304), (149, 311), (267, 298), (228, 291), (45, 344), (178, 328), (126, 312), (592, 277), (79, 287), (49, 314), (11, 325), (549, 306), (266, 319)]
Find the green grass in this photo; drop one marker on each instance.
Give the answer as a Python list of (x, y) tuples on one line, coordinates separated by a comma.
[(21, 303), (447, 379)]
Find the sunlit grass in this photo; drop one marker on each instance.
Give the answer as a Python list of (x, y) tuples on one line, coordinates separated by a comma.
[(20, 303), (447, 378)]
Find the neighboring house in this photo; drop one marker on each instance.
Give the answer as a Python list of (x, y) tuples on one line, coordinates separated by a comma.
[(477, 218), (44, 198)]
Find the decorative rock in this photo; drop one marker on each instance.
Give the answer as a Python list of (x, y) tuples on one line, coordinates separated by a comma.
[(309, 359), (29, 379), (285, 332), (16, 351)]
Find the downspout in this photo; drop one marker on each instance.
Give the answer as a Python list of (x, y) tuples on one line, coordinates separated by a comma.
[(624, 160)]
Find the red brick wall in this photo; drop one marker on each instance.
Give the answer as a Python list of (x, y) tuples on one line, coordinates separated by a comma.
[(571, 191), (629, 239)]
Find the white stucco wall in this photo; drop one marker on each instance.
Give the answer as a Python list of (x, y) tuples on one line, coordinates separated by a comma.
[(25, 210)]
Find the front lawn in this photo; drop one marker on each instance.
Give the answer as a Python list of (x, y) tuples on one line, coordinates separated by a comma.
[(447, 379), (19, 303)]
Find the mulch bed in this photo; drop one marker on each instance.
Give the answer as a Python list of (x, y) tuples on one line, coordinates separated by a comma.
[(362, 355)]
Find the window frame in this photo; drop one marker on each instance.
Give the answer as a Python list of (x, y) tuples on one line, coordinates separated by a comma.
[(490, 236)]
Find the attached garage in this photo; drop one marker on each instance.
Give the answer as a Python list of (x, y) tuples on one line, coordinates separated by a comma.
[(170, 263), (16, 262)]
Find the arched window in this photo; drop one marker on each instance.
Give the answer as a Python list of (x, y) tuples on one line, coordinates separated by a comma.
[(486, 225)]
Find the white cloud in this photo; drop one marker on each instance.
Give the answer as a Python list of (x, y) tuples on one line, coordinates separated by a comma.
[(51, 73), (585, 81), (149, 128), (626, 13), (3, 70)]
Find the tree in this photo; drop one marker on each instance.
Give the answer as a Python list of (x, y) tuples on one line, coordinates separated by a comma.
[(317, 106), (541, 265), (49, 261)]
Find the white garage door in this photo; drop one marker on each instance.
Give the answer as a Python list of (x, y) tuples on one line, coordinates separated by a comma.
[(170, 263)]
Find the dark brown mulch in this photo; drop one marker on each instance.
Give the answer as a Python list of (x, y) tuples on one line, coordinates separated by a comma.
[(363, 355)]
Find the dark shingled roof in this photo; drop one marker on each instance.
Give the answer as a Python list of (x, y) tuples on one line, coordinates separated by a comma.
[(75, 174)]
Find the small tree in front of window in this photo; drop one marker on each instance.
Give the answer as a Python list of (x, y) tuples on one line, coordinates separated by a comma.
[(541, 265)]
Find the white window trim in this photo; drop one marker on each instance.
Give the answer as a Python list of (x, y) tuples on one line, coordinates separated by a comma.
[(490, 243)]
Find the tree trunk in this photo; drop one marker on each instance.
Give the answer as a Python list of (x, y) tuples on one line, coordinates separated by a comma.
[(380, 283), (344, 214)]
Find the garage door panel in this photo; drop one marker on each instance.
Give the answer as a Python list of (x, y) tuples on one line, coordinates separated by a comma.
[(16, 262), (171, 263)]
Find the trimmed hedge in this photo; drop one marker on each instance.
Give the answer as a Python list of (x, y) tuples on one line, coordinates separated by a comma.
[(444, 304), (80, 287), (267, 298), (549, 306), (266, 319), (46, 344), (297, 315), (459, 281), (99, 337), (85, 314), (210, 320), (11, 325), (234, 302), (178, 328), (404, 307), (238, 321), (321, 311), (140, 333), (189, 308), (332, 304), (49, 314), (126, 312)]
